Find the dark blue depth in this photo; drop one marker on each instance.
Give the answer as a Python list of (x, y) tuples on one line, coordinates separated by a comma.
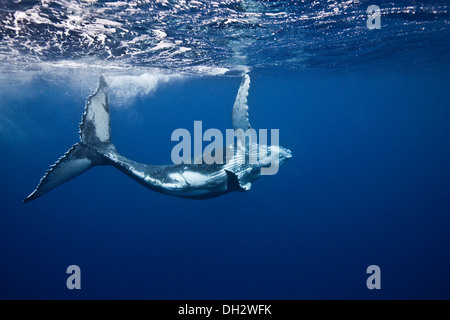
[(369, 183)]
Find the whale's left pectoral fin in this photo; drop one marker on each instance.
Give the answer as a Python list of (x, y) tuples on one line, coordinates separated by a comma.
[(235, 184)]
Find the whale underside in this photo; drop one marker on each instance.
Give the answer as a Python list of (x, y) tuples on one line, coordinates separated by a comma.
[(194, 181)]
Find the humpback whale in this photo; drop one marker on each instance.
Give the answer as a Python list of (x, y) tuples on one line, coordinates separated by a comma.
[(195, 181)]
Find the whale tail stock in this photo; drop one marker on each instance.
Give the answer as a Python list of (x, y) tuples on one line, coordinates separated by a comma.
[(95, 139)]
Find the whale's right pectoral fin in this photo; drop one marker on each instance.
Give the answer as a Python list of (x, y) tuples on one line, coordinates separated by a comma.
[(240, 108), (235, 184)]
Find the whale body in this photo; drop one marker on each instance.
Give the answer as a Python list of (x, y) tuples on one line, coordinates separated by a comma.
[(195, 181)]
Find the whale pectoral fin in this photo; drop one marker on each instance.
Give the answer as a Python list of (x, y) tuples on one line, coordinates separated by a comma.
[(240, 108), (234, 184)]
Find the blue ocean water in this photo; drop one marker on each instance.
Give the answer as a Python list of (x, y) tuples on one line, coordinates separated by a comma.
[(365, 113)]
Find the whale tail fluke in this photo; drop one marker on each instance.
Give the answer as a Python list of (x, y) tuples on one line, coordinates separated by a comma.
[(95, 136)]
